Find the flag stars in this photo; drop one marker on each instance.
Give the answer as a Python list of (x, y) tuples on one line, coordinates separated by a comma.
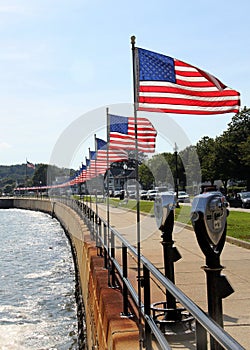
[(155, 66)]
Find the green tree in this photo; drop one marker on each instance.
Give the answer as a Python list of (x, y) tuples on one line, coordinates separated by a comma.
[(236, 147), (40, 176), (207, 157), (244, 148), (146, 177), (160, 168), (191, 168), (8, 188)]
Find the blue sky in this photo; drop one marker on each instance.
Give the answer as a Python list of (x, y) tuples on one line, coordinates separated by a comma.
[(60, 59)]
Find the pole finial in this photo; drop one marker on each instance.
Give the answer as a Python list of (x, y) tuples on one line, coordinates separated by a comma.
[(133, 40)]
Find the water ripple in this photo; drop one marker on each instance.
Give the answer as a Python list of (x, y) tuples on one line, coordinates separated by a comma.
[(37, 304)]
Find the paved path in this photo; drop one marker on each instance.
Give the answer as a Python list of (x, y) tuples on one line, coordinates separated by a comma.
[(189, 276)]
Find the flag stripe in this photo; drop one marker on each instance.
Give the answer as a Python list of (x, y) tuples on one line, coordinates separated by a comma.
[(101, 160), (163, 87), (193, 110), (122, 134), (187, 100)]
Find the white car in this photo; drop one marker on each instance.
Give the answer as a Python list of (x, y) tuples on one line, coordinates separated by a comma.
[(143, 194), (183, 197), (152, 194)]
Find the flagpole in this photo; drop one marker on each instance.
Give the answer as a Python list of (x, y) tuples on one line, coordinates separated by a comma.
[(90, 180), (138, 228), (96, 206), (88, 185), (26, 176), (108, 173)]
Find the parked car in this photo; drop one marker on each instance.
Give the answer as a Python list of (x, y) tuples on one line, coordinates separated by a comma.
[(241, 200), (152, 194), (144, 195), (132, 194), (117, 193), (183, 197)]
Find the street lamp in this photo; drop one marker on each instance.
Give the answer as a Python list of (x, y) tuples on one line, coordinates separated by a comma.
[(125, 167)]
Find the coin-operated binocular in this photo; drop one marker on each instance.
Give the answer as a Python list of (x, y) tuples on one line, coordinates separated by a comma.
[(172, 319), (164, 214), (209, 219), (164, 209)]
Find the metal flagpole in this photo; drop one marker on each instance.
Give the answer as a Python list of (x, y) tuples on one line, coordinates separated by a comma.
[(138, 228), (25, 182), (96, 205), (110, 249), (88, 185)]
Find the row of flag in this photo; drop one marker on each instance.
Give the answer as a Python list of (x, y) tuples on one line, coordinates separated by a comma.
[(121, 139), (165, 85)]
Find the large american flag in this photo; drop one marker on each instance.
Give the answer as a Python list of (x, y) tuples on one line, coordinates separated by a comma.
[(122, 133), (165, 84)]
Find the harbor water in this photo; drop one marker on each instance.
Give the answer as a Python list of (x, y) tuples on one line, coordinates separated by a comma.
[(37, 283)]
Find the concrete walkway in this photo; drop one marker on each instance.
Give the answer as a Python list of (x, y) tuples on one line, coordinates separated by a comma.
[(189, 276)]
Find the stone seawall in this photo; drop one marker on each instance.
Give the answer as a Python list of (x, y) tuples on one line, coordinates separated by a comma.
[(105, 328)]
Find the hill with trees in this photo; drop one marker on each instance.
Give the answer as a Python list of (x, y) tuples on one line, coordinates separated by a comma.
[(19, 175)]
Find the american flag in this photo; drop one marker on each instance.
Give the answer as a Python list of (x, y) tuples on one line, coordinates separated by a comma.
[(105, 156), (168, 85), (122, 133), (113, 155), (30, 165), (82, 176)]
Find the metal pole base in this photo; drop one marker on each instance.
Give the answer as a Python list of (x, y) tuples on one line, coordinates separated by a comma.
[(173, 321)]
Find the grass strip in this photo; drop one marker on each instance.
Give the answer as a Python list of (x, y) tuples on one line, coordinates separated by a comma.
[(237, 222)]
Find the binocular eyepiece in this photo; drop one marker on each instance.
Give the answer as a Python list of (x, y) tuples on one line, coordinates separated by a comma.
[(164, 204)]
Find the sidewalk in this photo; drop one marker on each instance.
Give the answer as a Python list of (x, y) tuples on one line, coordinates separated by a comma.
[(189, 276)]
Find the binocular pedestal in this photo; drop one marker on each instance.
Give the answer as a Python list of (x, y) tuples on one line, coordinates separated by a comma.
[(218, 288), (172, 319)]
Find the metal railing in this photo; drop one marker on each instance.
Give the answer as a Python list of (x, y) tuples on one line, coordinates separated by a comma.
[(105, 239)]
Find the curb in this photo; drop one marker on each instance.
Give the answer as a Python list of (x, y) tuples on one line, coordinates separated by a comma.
[(238, 242), (229, 239)]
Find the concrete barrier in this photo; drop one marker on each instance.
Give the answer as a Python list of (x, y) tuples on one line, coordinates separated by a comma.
[(6, 203), (105, 328)]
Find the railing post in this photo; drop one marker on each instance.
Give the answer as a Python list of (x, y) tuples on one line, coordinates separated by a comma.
[(98, 237), (92, 227), (111, 265), (201, 337), (147, 301), (105, 247), (125, 275)]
